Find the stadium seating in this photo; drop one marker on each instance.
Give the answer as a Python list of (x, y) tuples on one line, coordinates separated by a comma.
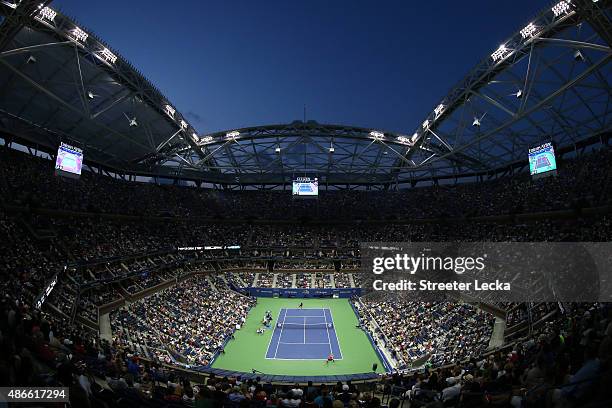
[(172, 309)]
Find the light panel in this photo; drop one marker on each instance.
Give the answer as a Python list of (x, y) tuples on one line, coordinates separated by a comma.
[(79, 34), (108, 56), (500, 53), (561, 7), (403, 140), (47, 13), (439, 109), (170, 111), (529, 31)]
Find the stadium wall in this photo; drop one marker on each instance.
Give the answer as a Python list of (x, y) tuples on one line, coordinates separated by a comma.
[(303, 293)]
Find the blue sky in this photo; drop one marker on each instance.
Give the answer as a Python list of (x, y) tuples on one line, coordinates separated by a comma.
[(376, 64)]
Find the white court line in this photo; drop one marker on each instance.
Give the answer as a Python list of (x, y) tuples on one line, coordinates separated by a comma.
[(304, 329), (271, 336), (336, 332), (327, 330), (280, 336), (300, 359)]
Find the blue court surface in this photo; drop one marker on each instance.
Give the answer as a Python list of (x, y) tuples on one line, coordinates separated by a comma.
[(305, 188), (304, 334)]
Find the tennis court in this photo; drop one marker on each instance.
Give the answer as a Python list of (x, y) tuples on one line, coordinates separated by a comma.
[(304, 334), (542, 161)]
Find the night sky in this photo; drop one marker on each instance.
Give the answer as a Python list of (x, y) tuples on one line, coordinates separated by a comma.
[(377, 64)]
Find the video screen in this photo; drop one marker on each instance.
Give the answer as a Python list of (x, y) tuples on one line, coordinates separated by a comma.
[(306, 187), (542, 159), (69, 161)]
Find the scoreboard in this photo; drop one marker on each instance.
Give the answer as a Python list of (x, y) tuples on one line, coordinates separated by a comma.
[(69, 161), (305, 187), (542, 159)]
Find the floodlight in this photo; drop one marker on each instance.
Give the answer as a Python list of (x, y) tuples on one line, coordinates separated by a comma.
[(170, 111), (403, 140), (47, 13), (578, 56), (439, 109), (79, 34), (377, 135), (476, 122), (233, 134), (184, 124), (518, 94), (415, 136), (561, 7), (108, 56), (425, 124), (132, 121), (277, 150), (195, 137), (90, 95), (500, 53), (528, 31), (207, 139)]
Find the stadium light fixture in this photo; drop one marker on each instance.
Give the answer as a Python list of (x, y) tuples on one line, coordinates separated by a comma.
[(206, 139), (170, 111), (131, 121), (438, 111), (195, 137), (403, 140), (425, 124), (277, 150), (184, 124), (46, 13), (79, 34), (578, 56), (377, 135), (528, 31), (414, 137), (90, 95), (233, 134), (476, 122), (331, 147), (561, 7), (518, 94), (500, 53), (108, 56)]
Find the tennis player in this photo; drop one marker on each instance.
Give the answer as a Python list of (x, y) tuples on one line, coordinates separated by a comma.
[(301, 306), (330, 359)]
